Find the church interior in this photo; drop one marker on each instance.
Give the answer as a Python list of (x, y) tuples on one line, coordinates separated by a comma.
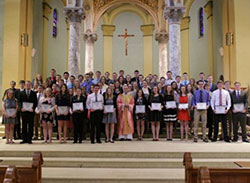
[(211, 36)]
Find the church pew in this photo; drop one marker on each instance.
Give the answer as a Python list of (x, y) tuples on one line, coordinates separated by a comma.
[(32, 174), (11, 175), (213, 175)]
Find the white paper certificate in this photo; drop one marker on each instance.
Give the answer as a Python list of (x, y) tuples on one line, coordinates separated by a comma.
[(140, 109), (27, 106), (45, 107), (156, 106), (97, 105), (183, 106), (239, 107), (109, 108), (201, 106), (78, 106), (11, 112), (170, 105), (220, 109), (63, 109)]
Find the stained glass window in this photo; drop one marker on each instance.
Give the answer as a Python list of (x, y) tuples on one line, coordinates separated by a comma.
[(201, 22), (54, 31)]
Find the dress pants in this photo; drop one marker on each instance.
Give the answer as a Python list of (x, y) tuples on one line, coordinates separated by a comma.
[(220, 118), (95, 125), (203, 115), (17, 127), (239, 117), (78, 120), (27, 126), (210, 122), (230, 123)]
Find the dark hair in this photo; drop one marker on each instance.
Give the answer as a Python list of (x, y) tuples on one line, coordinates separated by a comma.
[(218, 82), (65, 73), (169, 72), (166, 92), (136, 71), (201, 73), (98, 72), (80, 76), (236, 82), (185, 73), (227, 82), (185, 90), (200, 81), (21, 82), (72, 76)]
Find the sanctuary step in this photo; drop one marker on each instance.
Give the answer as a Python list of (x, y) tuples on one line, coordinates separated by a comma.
[(130, 162)]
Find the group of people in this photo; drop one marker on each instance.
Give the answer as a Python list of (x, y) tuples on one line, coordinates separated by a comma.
[(123, 104)]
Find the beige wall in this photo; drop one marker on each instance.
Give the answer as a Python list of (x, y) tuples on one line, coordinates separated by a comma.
[(1, 41)]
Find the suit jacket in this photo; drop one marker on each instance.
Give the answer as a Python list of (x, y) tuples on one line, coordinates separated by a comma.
[(213, 87), (31, 99), (241, 99)]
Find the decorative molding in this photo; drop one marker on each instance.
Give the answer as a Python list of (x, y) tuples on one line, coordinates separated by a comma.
[(185, 23), (174, 14), (47, 9), (148, 29), (74, 15), (108, 30), (209, 9), (90, 36), (162, 37)]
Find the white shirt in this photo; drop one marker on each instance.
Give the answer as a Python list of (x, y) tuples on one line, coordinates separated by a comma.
[(91, 100), (168, 81), (215, 100)]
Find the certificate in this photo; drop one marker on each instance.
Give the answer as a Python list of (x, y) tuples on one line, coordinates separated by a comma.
[(183, 106), (11, 112), (170, 105), (156, 106), (78, 106), (220, 109), (239, 107), (45, 107), (27, 106), (109, 108), (97, 105), (201, 106), (140, 109), (62, 110)]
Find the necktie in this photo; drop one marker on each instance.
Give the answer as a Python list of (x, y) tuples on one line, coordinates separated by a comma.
[(238, 94), (28, 93), (201, 96), (96, 97), (220, 98)]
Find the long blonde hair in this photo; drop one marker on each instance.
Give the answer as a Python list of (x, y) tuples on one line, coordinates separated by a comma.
[(7, 94)]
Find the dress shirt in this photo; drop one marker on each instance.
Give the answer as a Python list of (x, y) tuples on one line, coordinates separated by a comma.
[(70, 85), (205, 97), (168, 81), (95, 81), (87, 85), (92, 98), (226, 99), (39, 97), (184, 82), (66, 81)]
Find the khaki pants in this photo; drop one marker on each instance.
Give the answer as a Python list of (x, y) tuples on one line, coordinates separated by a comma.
[(203, 115)]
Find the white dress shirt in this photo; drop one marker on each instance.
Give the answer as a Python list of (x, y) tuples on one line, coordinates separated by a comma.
[(168, 81), (215, 100), (91, 100)]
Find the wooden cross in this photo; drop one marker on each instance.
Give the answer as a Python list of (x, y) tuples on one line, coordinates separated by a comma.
[(126, 36)]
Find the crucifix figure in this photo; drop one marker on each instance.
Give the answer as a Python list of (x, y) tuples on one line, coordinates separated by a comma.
[(126, 36)]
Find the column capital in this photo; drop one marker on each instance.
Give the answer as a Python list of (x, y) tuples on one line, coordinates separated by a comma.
[(108, 30), (74, 14), (148, 29), (46, 9), (174, 13), (162, 37), (185, 23), (89, 36), (209, 9)]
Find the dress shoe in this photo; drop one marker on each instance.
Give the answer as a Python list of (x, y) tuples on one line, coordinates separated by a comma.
[(122, 139), (80, 141), (235, 140), (227, 140), (245, 140), (74, 142), (23, 142), (30, 142), (195, 140), (205, 140), (214, 140), (92, 142), (99, 142)]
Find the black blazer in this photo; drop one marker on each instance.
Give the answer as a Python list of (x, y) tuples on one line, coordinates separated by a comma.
[(213, 88), (24, 98), (237, 100)]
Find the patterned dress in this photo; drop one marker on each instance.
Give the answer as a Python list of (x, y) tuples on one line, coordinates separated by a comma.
[(169, 115), (10, 104)]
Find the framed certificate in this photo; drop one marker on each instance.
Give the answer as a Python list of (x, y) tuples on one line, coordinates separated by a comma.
[(78, 106), (27, 106), (63, 109), (140, 109), (183, 106), (45, 107), (239, 107), (170, 105), (11, 112), (156, 106), (220, 109), (201, 106), (97, 105), (109, 108)]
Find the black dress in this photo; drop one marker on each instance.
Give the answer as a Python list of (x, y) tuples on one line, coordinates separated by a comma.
[(155, 115), (169, 115), (63, 100), (140, 101)]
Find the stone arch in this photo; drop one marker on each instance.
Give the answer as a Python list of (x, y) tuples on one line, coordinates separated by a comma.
[(112, 4), (188, 5)]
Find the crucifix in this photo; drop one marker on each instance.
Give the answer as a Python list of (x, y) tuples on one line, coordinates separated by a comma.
[(126, 36)]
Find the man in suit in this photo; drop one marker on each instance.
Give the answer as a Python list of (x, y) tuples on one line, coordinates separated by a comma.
[(136, 78), (27, 96), (239, 108), (212, 85)]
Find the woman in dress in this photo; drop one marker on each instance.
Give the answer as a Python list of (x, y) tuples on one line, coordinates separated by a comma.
[(140, 118), (169, 115), (190, 93), (78, 115), (118, 89), (63, 100), (109, 118), (155, 114), (47, 116), (9, 107), (183, 115)]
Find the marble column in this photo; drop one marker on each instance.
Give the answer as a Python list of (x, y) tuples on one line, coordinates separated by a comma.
[(174, 12), (162, 39), (89, 38), (75, 16)]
